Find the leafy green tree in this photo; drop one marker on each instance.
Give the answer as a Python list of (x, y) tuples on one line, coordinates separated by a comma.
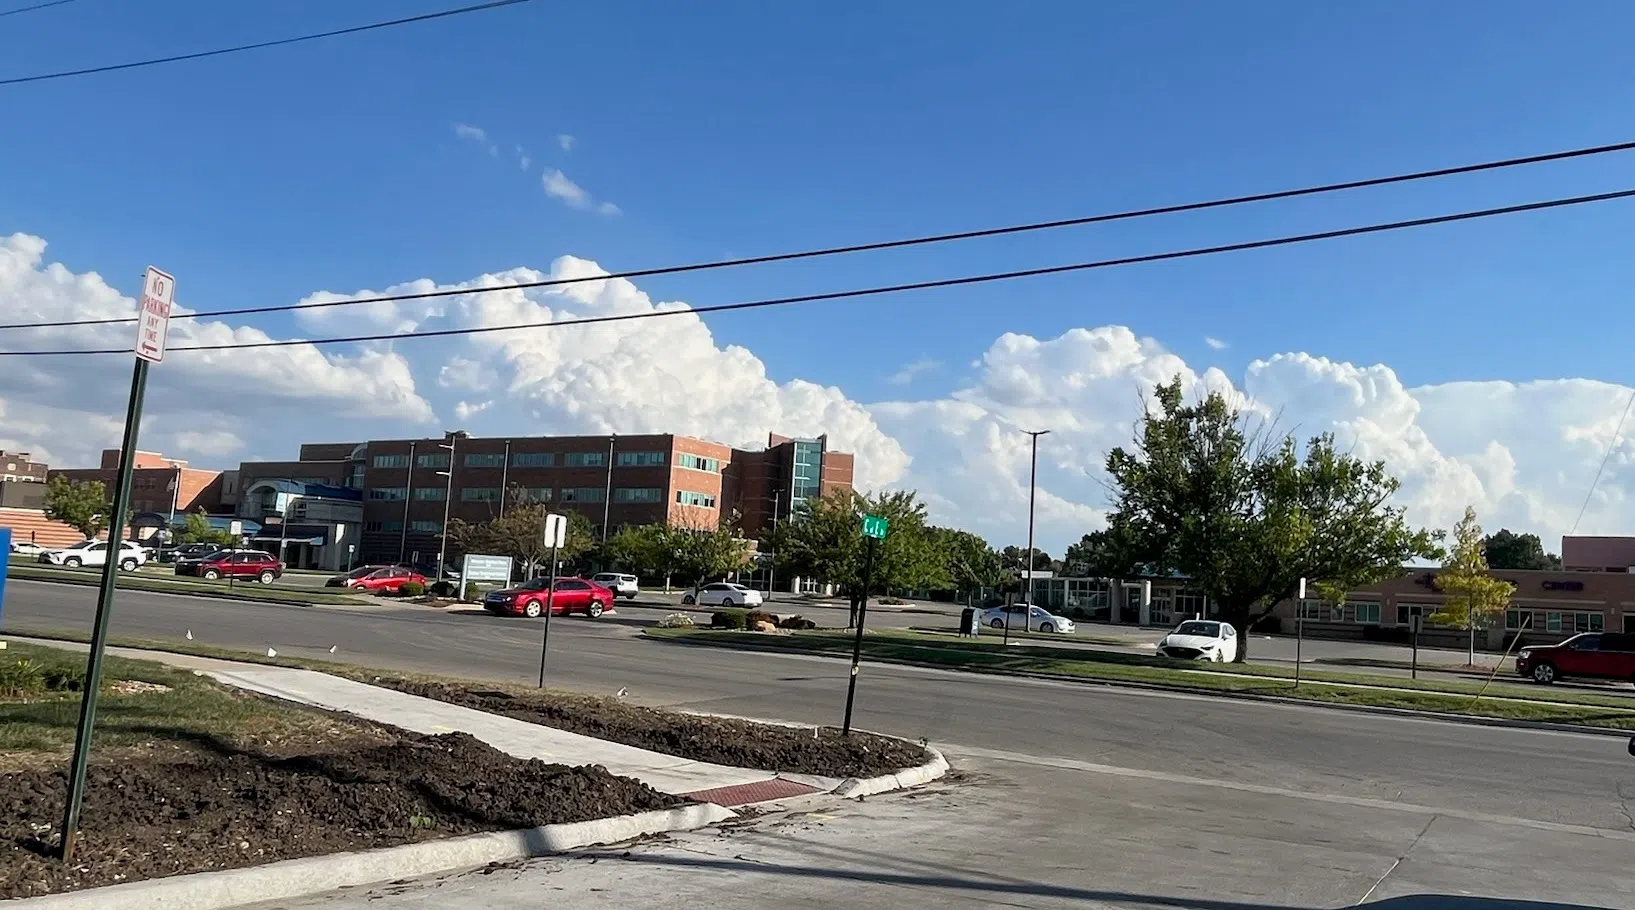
[(1245, 517), (1474, 596), (81, 504), (1108, 553), (968, 562), (644, 550), (824, 539), (198, 530), (1508, 550), (701, 553), (520, 534)]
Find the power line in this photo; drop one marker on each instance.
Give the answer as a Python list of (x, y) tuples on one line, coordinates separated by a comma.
[(889, 289), (30, 9), (884, 244), (1611, 444), (197, 55)]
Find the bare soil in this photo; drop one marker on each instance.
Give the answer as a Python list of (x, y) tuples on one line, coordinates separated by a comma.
[(745, 744), (221, 807)]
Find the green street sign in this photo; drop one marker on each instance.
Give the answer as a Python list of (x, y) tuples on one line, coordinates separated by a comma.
[(874, 526)]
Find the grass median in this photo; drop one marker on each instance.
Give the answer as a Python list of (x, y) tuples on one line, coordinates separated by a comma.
[(138, 581), (1450, 697)]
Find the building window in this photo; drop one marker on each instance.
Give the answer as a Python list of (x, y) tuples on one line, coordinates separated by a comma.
[(640, 459), (480, 494), (432, 460), (533, 460), (808, 472), (383, 526), (638, 494), (430, 494), (533, 494), (1313, 610), (689, 498), (1406, 610), (1586, 622), (585, 459), (485, 460), (583, 494), (1367, 614), (391, 493), (426, 527), (698, 462), (1552, 621), (391, 461), (1518, 619)]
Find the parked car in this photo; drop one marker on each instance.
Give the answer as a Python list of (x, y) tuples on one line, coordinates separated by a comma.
[(1592, 655), (621, 584), (263, 567), (194, 551), (1201, 639), (26, 548), (1025, 619), (573, 595), (95, 553), (377, 579), (723, 593)]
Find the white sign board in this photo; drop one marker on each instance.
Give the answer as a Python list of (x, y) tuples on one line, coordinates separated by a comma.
[(153, 321), (485, 568), (556, 530)]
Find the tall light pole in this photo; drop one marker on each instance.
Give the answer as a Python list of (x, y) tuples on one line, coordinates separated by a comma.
[(1027, 561), (772, 567), (607, 496), (175, 498), (505, 470), (448, 494), (408, 494)]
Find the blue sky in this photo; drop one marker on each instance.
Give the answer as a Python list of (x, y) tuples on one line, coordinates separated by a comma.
[(737, 128)]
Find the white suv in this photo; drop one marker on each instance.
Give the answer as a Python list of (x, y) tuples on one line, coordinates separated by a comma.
[(620, 584), (95, 553)]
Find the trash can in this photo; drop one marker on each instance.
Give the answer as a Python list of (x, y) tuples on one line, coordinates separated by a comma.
[(968, 624)]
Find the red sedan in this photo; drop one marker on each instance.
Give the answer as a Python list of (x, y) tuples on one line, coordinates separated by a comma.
[(573, 595), (377, 579)]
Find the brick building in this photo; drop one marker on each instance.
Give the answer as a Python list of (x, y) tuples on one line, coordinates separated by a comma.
[(16, 466), (157, 483)]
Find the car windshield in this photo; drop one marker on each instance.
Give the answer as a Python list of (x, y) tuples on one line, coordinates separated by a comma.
[(364, 572), (1206, 629), (535, 584)]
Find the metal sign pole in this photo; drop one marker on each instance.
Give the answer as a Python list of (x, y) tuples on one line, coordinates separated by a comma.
[(105, 601), (857, 642), (550, 607), (1299, 629)]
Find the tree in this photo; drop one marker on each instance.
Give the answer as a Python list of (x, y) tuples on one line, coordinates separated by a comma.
[(1509, 550), (968, 562), (1108, 553), (1016, 556), (644, 550), (1474, 597), (1245, 517), (81, 504), (199, 530), (702, 553), (824, 539), (520, 534)]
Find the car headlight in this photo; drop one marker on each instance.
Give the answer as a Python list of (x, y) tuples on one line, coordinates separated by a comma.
[(1524, 654)]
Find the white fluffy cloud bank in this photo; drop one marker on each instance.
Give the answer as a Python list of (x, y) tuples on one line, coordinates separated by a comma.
[(1522, 453)]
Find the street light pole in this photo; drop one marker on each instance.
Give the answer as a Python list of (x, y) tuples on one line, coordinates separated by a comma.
[(175, 497), (505, 470), (607, 496), (448, 494), (1027, 568), (408, 494), (772, 567)]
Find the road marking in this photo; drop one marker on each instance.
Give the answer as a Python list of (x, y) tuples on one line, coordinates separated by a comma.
[(1362, 802)]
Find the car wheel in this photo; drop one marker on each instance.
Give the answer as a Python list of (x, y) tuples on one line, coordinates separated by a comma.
[(1544, 673), (72, 562), (531, 609), (211, 575), (594, 611), (998, 624), (128, 564), (266, 578), (688, 600), (726, 602), (1046, 627)]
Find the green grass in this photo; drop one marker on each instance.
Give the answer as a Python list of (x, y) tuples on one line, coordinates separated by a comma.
[(194, 712), (144, 581), (1454, 697)]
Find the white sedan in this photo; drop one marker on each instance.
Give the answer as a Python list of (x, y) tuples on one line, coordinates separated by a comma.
[(1024, 619), (26, 548), (1200, 639), (95, 553), (725, 594)]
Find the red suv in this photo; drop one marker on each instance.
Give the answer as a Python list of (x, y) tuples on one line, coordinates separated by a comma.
[(227, 564), (573, 595), (1599, 655)]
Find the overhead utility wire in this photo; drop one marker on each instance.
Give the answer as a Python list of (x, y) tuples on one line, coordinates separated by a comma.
[(1611, 444), (220, 51), (884, 244), (888, 289), (30, 9)]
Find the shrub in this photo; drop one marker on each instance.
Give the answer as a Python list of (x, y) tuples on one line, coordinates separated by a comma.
[(442, 588), (412, 589), (729, 619), (892, 601), (676, 621), (470, 592), (21, 677), (759, 616)]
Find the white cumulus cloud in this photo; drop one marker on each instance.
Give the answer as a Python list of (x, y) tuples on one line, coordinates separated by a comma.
[(1215, 343), (559, 187)]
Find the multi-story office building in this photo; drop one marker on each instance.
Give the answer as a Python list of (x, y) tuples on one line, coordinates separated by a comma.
[(19, 466), (158, 484), (411, 486)]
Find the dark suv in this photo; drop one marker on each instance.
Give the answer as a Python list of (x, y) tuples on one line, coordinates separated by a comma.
[(1597, 655)]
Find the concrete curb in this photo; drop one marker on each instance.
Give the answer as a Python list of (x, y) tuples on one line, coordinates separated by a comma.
[(853, 788), (318, 874), (1470, 719)]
